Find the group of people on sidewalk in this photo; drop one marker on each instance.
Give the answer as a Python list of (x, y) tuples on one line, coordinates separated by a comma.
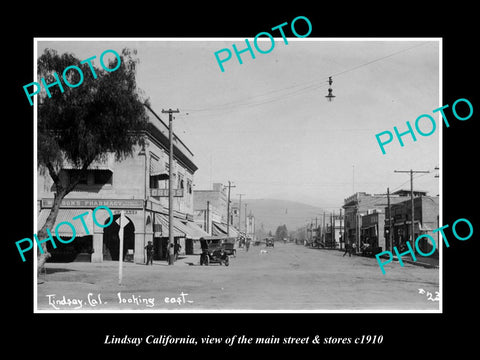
[(351, 248), (172, 253)]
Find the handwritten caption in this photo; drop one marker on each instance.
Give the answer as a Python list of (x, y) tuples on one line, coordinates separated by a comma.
[(429, 295), (59, 302)]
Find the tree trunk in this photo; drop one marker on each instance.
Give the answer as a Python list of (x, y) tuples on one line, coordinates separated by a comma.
[(42, 233), (61, 190)]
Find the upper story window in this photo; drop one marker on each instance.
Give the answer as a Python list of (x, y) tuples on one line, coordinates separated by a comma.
[(158, 173), (94, 177), (102, 177), (180, 184)]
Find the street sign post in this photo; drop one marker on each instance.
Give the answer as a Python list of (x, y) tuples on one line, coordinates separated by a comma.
[(122, 221)]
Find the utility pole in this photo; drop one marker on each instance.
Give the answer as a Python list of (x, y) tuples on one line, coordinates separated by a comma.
[(353, 179), (341, 231), (411, 195), (245, 220), (390, 245), (357, 229), (228, 208), (205, 219), (170, 182), (333, 228), (207, 224), (240, 213), (324, 230)]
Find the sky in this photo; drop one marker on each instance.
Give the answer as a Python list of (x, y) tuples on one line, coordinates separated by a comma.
[(266, 125)]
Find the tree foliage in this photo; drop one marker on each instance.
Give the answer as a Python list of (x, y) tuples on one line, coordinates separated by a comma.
[(103, 115), (281, 232), (100, 116)]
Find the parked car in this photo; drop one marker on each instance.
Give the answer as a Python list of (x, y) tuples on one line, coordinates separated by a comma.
[(228, 245), (269, 242), (213, 251), (371, 251)]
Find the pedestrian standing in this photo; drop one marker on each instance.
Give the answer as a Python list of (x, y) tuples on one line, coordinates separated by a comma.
[(176, 249), (171, 254), (354, 247), (247, 244), (149, 249)]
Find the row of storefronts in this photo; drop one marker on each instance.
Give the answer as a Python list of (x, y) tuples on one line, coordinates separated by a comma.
[(369, 221)]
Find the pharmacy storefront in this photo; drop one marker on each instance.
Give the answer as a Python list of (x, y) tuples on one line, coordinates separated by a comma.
[(92, 242)]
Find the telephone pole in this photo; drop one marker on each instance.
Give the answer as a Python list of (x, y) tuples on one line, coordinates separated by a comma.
[(170, 182), (228, 208), (411, 195), (207, 223), (240, 213), (245, 220), (333, 228), (390, 244), (324, 230), (341, 239)]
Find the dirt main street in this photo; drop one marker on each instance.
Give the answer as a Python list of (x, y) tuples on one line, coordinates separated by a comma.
[(287, 277)]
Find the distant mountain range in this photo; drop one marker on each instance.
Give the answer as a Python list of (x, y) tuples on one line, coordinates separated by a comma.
[(273, 213)]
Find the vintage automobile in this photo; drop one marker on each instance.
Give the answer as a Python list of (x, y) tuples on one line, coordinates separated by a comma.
[(213, 251), (370, 251), (269, 242), (228, 245)]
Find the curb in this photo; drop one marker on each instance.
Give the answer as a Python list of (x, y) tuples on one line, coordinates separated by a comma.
[(419, 263)]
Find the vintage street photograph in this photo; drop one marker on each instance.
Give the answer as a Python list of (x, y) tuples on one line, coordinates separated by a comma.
[(237, 175)]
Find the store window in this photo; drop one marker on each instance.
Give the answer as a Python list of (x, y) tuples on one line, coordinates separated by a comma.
[(102, 177), (95, 177)]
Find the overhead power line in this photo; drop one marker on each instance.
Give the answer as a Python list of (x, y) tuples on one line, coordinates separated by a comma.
[(378, 59), (293, 90)]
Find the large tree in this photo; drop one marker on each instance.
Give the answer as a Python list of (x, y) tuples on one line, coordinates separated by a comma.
[(281, 232), (103, 115)]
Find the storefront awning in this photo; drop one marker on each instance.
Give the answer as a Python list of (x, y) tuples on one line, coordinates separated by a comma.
[(67, 215), (163, 221), (233, 232), (195, 231), (181, 228), (93, 166), (220, 229)]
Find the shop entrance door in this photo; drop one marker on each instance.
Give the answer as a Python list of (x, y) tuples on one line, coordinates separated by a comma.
[(111, 241)]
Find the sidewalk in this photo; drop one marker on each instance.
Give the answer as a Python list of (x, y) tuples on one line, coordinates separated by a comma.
[(425, 261), (183, 260)]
